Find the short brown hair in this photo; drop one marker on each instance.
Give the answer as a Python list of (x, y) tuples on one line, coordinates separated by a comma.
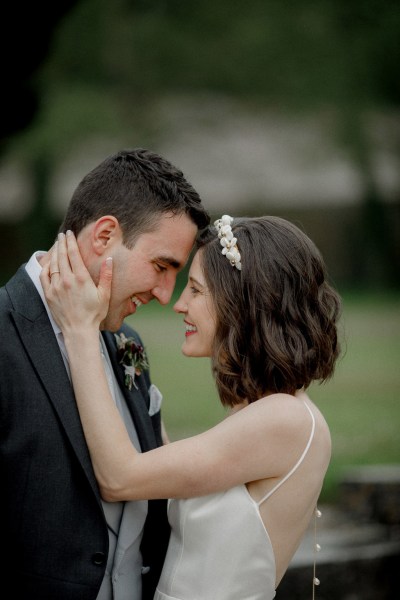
[(277, 317)]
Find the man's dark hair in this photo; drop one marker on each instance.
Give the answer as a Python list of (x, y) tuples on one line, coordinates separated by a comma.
[(137, 187)]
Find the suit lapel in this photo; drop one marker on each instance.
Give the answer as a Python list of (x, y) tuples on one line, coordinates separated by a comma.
[(137, 398), (37, 336)]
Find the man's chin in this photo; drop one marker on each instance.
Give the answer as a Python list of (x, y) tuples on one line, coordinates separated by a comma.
[(111, 325)]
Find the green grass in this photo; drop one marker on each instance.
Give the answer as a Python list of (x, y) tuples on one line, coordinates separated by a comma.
[(361, 403)]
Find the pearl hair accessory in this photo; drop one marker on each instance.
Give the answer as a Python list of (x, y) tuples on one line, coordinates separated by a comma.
[(228, 241)]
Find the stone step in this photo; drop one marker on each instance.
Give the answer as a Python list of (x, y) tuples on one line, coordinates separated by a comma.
[(371, 493)]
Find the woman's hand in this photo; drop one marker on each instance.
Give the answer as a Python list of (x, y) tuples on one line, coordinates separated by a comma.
[(73, 298)]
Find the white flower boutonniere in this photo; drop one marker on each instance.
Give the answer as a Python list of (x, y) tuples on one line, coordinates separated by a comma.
[(132, 356)]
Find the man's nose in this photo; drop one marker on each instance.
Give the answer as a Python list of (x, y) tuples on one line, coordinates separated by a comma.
[(163, 292)]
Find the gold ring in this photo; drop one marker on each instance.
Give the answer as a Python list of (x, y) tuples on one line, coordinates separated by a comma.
[(53, 273)]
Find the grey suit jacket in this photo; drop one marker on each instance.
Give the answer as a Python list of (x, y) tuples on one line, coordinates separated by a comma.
[(54, 531)]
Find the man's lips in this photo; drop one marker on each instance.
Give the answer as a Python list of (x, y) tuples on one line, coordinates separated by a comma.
[(135, 303), (135, 300)]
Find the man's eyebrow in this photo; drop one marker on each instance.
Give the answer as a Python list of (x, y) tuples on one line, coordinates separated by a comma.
[(169, 261)]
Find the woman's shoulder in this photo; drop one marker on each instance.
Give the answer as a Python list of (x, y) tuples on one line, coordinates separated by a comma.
[(282, 408), (287, 418), (287, 407)]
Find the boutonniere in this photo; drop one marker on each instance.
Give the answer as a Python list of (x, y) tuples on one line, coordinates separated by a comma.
[(132, 356)]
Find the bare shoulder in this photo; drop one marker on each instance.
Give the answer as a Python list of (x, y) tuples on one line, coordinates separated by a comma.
[(288, 422), (290, 410), (322, 442), (283, 411)]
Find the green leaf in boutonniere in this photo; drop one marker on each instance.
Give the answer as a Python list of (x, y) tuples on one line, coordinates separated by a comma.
[(132, 356)]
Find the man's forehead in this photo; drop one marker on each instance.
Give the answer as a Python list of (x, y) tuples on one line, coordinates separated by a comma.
[(171, 241)]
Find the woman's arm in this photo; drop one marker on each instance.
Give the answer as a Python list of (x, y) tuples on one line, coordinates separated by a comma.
[(259, 441), (79, 306)]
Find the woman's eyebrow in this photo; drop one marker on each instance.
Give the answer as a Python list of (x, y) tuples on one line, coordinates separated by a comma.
[(194, 280)]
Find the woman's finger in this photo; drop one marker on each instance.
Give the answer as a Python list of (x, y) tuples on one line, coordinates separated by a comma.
[(71, 293), (45, 276), (74, 255), (64, 266), (105, 279), (54, 269)]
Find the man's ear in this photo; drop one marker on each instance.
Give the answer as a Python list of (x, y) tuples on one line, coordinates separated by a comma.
[(105, 233)]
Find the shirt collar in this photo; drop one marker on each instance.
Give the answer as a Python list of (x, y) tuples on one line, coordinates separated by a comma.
[(33, 268)]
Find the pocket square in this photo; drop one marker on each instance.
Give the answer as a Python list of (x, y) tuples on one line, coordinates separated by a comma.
[(155, 400)]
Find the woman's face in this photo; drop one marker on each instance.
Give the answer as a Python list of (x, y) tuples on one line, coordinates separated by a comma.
[(197, 306)]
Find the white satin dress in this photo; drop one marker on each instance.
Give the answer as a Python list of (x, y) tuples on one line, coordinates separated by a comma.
[(219, 547)]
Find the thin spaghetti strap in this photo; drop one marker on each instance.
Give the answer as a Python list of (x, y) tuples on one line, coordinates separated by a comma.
[(282, 481)]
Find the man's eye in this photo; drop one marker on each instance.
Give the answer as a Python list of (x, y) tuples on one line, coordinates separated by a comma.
[(160, 268)]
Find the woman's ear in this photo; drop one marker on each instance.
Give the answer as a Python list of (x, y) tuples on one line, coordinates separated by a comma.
[(105, 233)]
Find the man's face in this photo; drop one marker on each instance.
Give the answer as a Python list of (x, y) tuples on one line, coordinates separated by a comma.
[(148, 271)]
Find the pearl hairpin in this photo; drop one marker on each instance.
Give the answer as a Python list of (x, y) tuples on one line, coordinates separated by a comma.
[(228, 241)]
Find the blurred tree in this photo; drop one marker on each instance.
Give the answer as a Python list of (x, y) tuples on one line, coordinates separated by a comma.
[(333, 55), (24, 44), (111, 62)]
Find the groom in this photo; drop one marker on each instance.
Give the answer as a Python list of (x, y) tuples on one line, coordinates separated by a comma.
[(61, 540)]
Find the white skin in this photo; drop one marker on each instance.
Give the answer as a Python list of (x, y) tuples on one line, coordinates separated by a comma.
[(200, 321), (147, 271), (255, 445)]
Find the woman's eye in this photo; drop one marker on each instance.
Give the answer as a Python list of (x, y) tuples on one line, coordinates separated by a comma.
[(194, 290)]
